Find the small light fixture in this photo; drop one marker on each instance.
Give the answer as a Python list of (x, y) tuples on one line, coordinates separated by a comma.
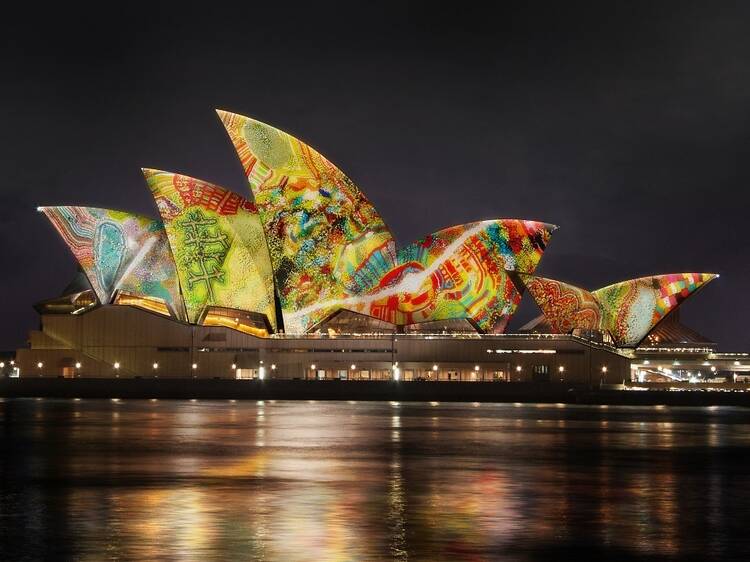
[(518, 368), (78, 364), (195, 366), (312, 366), (40, 365), (2, 364), (353, 366), (713, 369), (234, 366), (273, 366), (116, 365), (156, 366), (561, 369), (434, 367), (476, 367), (604, 369)]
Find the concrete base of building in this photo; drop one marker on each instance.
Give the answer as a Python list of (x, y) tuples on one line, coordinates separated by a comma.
[(401, 391)]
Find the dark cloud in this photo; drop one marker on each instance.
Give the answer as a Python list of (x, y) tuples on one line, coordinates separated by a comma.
[(624, 123)]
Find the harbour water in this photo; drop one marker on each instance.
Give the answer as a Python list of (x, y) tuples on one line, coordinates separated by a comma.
[(283, 480)]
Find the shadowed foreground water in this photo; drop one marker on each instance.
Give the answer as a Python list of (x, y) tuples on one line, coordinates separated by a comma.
[(180, 480)]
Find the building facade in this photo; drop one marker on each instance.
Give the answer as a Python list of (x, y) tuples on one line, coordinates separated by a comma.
[(306, 281)]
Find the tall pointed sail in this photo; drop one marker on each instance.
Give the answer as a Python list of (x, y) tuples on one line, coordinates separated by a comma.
[(326, 239)]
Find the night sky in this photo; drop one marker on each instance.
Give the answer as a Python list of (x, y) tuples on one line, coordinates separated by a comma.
[(626, 124)]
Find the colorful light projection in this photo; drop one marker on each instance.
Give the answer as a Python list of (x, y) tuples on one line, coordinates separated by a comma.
[(566, 307), (459, 272), (325, 238), (218, 245), (122, 254), (632, 308), (628, 310), (331, 250)]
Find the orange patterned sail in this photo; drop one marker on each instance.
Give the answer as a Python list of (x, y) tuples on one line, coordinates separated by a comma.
[(566, 307)]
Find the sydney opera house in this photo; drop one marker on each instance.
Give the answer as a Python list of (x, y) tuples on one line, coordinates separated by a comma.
[(305, 281)]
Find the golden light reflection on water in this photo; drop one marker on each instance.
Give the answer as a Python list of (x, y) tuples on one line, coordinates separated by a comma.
[(212, 480)]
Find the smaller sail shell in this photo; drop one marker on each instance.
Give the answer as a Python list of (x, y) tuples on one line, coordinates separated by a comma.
[(120, 253), (628, 310)]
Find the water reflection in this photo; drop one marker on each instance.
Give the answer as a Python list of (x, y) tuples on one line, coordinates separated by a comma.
[(357, 481)]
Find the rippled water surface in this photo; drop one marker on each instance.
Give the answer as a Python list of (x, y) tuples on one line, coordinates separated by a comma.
[(180, 480)]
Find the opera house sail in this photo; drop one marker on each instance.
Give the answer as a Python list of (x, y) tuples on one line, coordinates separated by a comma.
[(218, 246), (125, 256), (628, 310)]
